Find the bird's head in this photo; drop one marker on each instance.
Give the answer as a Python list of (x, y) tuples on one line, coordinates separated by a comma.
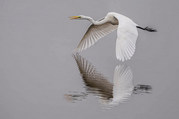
[(80, 17)]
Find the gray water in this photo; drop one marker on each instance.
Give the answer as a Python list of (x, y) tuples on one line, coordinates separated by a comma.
[(37, 68)]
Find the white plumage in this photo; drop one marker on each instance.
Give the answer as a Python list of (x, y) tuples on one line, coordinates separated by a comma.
[(126, 33)]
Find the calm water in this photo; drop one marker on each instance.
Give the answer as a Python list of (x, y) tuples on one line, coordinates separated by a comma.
[(41, 79)]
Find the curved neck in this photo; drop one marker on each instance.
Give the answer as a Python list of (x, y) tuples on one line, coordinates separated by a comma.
[(95, 22)]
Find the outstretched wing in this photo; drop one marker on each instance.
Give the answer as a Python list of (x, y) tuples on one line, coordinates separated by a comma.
[(122, 83), (126, 38), (94, 33)]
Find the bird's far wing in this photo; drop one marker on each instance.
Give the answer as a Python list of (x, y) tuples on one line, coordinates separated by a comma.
[(94, 33), (122, 83), (126, 40)]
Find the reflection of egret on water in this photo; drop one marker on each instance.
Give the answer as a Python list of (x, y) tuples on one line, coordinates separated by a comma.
[(97, 84)]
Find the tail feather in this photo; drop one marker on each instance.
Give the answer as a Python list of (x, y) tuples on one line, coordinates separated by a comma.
[(147, 29)]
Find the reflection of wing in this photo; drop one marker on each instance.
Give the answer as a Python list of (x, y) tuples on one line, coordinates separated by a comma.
[(123, 85), (95, 82)]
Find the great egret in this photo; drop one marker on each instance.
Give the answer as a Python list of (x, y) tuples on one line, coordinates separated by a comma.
[(126, 33), (110, 94)]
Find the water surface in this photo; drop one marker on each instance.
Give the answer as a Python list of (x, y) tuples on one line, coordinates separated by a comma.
[(37, 67)]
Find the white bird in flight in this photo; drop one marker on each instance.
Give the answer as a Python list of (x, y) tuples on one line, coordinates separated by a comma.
[(126, 33)]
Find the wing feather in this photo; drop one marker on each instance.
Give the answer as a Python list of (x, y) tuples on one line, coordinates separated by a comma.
[(126, 40), (94, 33)]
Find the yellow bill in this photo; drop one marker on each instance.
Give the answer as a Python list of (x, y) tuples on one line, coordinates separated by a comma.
[(74, 17)]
